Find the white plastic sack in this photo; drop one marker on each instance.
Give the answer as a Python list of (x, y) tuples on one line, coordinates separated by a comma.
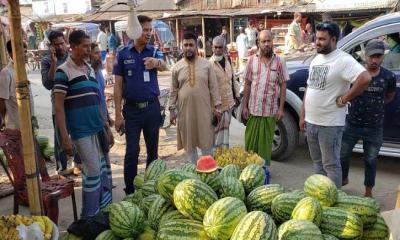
[(392, 219), (33, 232)]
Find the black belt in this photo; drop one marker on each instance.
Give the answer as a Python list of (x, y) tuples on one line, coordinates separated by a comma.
[(141, 105)]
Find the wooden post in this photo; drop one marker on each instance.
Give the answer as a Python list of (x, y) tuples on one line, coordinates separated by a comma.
[(177, 33), (398, 197), (265, 21), (24, 109), (203, 30), (3, 54), (232, 29)]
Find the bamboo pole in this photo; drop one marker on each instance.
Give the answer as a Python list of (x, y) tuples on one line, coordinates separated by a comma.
[(24, 109), (231, 30)]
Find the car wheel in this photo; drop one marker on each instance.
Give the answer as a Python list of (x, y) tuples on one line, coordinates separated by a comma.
[(286, 138)]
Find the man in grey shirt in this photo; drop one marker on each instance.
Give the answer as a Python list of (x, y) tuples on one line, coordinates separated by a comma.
[(56, 56)]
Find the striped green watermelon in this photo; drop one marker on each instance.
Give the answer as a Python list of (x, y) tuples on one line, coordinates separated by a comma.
[(260, 199), (207, 177), (340, 223), (299, 229), (168, 216), (252, 177), (155, 169), (341, 193), (255, 225), (366, 209), (193, 197), (168, 180), (215, 183), (146, 202), (182, 229), (189, 167), (308, 209), (106, 235), (126, 219), (147, 234), (230, 170), (138, 181), (149, 188), (231, 187), (159, 207), (282, 206), (379, 231), (135, 197), (222, 217), (321, 188), (329, 237)]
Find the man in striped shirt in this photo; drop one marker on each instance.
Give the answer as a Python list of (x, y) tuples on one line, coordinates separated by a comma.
[(264, 96), (77, 108)]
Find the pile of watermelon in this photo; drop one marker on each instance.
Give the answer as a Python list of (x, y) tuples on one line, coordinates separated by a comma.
[(175, 204)]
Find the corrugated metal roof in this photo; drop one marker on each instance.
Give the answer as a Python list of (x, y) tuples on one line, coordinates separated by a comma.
[(145, 5)]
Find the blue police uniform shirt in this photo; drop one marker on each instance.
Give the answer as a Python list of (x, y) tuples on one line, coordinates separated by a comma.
[(130, 65)]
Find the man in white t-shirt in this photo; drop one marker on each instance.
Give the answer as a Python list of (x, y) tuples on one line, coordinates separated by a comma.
[(102, 40), (328, 91)]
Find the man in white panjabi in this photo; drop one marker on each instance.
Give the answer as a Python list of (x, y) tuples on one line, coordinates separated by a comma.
[(194, 100)]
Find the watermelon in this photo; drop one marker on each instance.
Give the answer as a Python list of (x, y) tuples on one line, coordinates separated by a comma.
[(329, 237), (222, 217), (282, 206), (189, 167), (147, 234), (138, 181), (309, 209), (215, 183), (159, 207), (168, 216), (299, 229), (135, 197), (341, 224), (252, 177), (207, 177), (255, 225), (379, 231), (126, 219), (43, 142), (321, 188), (146, 202), (106, 235), (366, 209), (192, 198), (168, 180), (182, 229), (341, 193), (155, 169), (231, 187), (260, 199), (230, 170), (149, 188)]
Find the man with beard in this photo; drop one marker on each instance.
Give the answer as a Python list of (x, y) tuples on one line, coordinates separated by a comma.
[(366, 115), (228, 89), (323, 112), (264, 96), (136, 67), (97, 65), (194, 97), (56, 56), (77, 106)]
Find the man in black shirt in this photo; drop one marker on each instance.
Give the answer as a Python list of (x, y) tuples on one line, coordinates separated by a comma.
[(366, 115)]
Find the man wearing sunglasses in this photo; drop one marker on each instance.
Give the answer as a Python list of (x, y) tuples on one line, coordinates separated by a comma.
[(328, 92)]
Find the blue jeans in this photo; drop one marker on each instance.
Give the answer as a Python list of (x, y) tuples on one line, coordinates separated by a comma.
[(59, 155), (324, 144), (147, 119), (372, 141)]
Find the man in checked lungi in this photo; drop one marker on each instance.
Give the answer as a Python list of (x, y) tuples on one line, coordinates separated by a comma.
[(228, 90), (264, 96)]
